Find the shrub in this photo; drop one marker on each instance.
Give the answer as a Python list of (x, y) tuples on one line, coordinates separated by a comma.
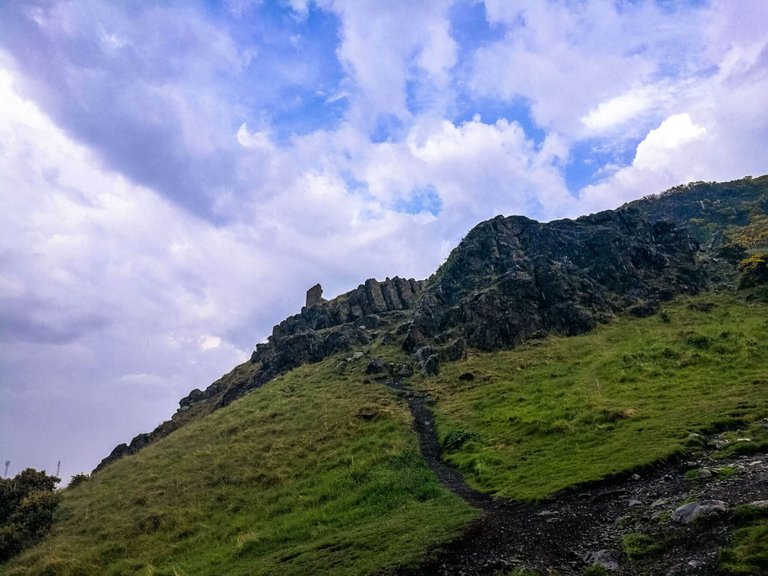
[(78, 479), (27, 503), (754, 271), (455, 439)]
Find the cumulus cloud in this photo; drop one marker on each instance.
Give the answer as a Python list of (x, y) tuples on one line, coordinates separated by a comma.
[(389, 47)]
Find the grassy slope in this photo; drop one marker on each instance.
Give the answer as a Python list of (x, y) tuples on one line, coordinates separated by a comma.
[(572, 410), (288, 480)]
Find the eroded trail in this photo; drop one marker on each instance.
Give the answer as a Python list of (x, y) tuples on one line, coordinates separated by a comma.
[(573, 531), (424, 426)]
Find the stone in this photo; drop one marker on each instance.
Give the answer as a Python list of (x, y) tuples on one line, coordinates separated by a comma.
[(375, 366), (367, 414), (705, 473), (608, 559), (687, 513), (428, 360), (457, 350), (314, 296)]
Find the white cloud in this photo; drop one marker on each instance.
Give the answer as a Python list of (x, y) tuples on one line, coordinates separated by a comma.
[(385, 45), (590, 63), (618, 110), (656, 151)]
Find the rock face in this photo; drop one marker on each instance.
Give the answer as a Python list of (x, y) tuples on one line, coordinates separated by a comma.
[(514, 278), (314, 295)]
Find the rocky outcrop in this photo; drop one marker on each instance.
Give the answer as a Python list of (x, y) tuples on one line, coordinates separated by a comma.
[(514, 278), (371, 298), (314, 295)]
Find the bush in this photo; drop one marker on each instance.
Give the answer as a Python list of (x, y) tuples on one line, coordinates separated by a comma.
[(78, 479), (27, 504), (455, 439), (754, 271)]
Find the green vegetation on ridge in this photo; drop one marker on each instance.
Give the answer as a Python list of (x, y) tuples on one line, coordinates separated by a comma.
[(566, 411)]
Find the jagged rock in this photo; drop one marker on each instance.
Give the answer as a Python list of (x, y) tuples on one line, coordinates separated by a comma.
[(195, 396), (513, 278), (375, 366), (428, 360), (608, 559), (687, 513), (457, 350), (314, 295), (360, 304)]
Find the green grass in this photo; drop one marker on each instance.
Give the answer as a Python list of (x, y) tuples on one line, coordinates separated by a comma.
[(568, 411), (636, 545), (288, 480), (749, 552)]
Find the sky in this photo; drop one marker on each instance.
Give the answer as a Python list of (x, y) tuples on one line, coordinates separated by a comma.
[(174, 175)]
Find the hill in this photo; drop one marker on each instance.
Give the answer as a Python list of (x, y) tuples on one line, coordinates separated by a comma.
[(547, 400)]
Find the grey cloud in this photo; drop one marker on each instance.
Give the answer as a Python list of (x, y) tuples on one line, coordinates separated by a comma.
[(135, 95), (30, 319)]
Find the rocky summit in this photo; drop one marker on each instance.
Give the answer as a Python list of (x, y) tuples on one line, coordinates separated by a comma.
[(512, 279)]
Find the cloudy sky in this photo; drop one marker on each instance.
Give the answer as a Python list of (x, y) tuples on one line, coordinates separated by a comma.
[(174, 175)]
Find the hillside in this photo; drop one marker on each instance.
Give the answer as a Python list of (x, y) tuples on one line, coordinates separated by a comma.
[(547, 400)]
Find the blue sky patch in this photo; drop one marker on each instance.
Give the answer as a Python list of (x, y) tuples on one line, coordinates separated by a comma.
[(421, 200)]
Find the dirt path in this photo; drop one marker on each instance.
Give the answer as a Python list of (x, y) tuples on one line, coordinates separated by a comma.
[(564, 536)]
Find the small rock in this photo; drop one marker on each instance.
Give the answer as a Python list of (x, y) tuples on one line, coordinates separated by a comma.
[(743, 440), (687, 513), (634, 502), (660, 502), (705, 473), (456, 351), (759, 504), (721, 443), (357, 355), (635, 477), (367, 414), (375, 366), (608, 559)]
